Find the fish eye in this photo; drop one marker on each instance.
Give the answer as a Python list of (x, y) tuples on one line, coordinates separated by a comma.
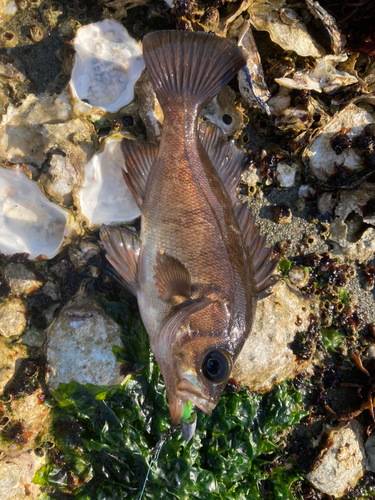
[(216, 366)]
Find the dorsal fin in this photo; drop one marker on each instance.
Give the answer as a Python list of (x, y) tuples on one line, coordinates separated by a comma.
[(139, 158), (123, 248), (190, 66), (263, 267), (171, 277), (228, 160)]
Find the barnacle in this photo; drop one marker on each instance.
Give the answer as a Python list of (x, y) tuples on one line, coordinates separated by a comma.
[(8, 39)]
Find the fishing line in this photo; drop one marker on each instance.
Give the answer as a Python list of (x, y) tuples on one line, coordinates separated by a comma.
[(156, 452)]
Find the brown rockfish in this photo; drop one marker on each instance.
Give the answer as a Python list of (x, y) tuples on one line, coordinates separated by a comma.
[(199, 264)]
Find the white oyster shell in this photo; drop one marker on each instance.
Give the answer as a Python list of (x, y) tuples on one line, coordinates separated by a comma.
[(324, 77), (104, 197), (284, 27), (29, 223), (254, 89), (107, 64)]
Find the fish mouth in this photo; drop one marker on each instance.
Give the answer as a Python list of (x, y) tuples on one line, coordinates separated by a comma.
[(187, 391)]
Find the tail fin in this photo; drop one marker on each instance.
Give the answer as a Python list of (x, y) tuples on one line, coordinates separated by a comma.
[(183, 63)]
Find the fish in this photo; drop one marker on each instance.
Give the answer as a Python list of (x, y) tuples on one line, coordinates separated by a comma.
[(199, 265)]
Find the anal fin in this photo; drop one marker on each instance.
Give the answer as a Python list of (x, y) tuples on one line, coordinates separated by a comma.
[(172, 279), (123, 248), (228, 159), (139, 158)]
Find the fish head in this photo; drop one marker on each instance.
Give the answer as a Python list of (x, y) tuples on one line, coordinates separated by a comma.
[(196, 355)]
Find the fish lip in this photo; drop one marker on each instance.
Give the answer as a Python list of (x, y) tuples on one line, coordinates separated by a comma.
[(186, 390)]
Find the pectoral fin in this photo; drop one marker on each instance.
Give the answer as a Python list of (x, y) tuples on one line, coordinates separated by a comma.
[(139, 158), (123, 248), (228, 160), (171, 277)]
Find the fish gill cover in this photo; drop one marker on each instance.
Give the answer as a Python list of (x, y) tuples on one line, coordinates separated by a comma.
[(104, 437)]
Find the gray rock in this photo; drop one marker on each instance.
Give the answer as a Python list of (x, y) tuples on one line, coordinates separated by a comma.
[(20, 279), (79, 345)]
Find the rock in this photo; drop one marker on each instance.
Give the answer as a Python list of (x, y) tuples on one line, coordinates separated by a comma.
[(339, 154), (73, 146), (9, 354), (353, 233), (327, 203), (12, 317), (286, 173), (21, 138), (28, 420), (61, 179), (20, 279), (342, 462), (16, 477), (79, 345), (267, 358)]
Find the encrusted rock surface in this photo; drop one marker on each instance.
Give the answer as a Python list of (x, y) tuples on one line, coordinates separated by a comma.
[(22, 127), (17, 474), (267, 358), (12, 317), (9, 354), (342, 462)]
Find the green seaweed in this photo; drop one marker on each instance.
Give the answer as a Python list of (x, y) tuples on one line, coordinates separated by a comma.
[(284, 266), (331, 339), (107, 437)]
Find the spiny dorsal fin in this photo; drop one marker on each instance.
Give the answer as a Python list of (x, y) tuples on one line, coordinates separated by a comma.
[(171, 277), (263, 267), (193, 66), (228, 160), (123, 247), (139, 158)]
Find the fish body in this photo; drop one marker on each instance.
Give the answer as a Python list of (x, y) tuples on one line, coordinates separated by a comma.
[(199, 264)]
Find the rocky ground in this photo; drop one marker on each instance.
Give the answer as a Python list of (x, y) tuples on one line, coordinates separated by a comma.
[(307, 123)]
